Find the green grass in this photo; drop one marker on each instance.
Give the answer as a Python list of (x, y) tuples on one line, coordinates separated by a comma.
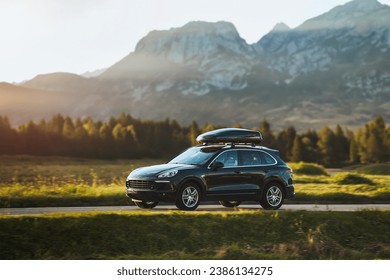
[(54, 170), (27, 181), (303, 168), (343, 188), (347, 178), (180, 235), (374, 169)]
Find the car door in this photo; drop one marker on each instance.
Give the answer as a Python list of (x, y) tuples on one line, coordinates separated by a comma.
[(228, 180), (223, 179), (253, 169)]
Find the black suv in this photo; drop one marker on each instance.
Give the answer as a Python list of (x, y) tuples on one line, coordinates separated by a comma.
[(226, 167)]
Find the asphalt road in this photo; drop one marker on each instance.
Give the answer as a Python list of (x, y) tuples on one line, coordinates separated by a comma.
[(201, 208)]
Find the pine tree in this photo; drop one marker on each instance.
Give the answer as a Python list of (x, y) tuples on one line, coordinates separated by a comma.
[(354, 152), (285, 140), (91, 127), (119, 132), (386, 142), (105, 133), (68, 129), (298, 150), (8, 137), (341, 147), (375, 147), (372, 142), (268, 138), (326, 145), (194, 132), (56, 124)]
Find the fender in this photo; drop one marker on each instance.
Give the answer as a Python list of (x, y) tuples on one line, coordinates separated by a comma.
[(197, 180), (273, 178)]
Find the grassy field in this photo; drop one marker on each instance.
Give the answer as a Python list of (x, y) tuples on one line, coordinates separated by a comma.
[(197, 235), (27, 181), (36, 181), (51, 181), (359, 184)]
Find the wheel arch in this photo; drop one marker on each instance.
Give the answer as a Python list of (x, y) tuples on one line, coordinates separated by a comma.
[(272, 179), (196, 181)]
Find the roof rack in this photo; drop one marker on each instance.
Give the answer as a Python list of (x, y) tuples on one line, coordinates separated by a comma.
[(231, 136)]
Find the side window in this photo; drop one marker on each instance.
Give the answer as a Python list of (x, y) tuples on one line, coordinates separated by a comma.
[(267, 159), (250, 158), (228, 158)]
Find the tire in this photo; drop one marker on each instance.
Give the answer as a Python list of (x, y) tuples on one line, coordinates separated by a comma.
[(230, 204), (273, 196), (188, 197), (146, 204)]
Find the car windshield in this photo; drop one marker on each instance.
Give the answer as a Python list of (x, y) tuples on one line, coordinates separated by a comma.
[(195, 155)]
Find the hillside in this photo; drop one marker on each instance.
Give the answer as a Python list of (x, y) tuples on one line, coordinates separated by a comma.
[(334, 68)]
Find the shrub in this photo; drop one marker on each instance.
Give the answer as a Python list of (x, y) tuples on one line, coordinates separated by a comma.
[(303, 168), (375, 169), (351, 179)]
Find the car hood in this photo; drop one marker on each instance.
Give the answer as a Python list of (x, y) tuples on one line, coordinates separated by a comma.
[(155, 170)]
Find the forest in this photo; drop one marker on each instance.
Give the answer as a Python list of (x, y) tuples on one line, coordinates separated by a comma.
[(131, 138)]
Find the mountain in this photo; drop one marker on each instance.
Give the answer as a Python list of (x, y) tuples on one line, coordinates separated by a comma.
[(22, 103), (95, 73), (337, 64), (355, 33), (60, 82), (195, 59), (334, 68)]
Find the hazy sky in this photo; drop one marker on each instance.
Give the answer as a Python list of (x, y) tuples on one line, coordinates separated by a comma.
[(44, 36)]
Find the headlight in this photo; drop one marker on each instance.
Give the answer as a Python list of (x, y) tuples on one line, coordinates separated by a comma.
[(168, 174)]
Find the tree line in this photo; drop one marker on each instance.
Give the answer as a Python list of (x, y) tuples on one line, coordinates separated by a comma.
[(128, 137)]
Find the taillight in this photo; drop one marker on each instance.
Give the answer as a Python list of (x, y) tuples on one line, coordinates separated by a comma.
[(289, 170)]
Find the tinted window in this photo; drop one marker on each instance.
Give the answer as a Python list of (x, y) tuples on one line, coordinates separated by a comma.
[(228, 158), (249, 157), (267, 159)]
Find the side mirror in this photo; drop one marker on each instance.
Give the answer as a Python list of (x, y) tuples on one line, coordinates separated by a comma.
[(216, 165)]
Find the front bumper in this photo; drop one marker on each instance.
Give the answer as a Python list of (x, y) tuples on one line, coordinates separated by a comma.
[(151, 190)]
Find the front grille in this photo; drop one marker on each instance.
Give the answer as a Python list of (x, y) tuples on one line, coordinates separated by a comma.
[(139, 184)]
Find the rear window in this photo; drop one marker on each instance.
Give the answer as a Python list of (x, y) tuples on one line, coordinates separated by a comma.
[(253, 157), (267, 159)]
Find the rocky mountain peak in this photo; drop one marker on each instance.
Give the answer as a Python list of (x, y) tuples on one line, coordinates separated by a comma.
[(281, 27), (193, 41), (193, 59), (364, 5), (333, 68), (345, 16)]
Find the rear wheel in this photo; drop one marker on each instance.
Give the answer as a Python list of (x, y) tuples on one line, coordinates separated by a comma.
[(188, 197), (230, 204), (273, 196), (146, 204)]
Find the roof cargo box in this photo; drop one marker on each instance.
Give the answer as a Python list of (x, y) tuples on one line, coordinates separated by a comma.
[(230, 135)]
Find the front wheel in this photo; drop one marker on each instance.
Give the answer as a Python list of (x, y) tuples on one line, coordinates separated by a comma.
[(230, 204), (188, 197), (146, 204), (273, 196)]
